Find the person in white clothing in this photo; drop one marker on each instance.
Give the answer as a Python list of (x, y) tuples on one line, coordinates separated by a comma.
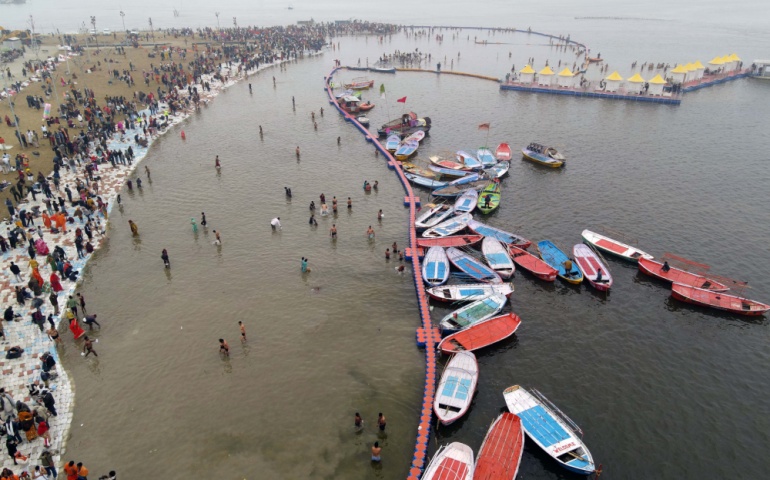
[(276, 223)]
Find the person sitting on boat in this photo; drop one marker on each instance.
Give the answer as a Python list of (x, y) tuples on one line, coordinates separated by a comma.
[(568, 267), (666, 267), (599, 275), (487, 200)]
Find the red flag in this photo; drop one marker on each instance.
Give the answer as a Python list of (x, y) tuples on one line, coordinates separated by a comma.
[(484, 126), (401, 100)]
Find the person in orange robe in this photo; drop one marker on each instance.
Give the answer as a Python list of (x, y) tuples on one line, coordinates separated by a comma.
[(46, 221), (55, 283), (75, 328), (38, 277)]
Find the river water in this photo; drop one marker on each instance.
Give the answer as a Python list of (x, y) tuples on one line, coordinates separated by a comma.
[(660, 389)]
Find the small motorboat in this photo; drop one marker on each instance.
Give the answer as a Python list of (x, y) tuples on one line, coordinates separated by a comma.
[(417, 136), (594, 270), (451, 241), (469, 292), (407, 149), (499, 170), (448, 227), (432, 215), (676, 275), (500, 454), (614, 247), (559, 260), (392, 143), (718, 300), (446, 163), (360, 83), (472, 266), (503, 153), (363, 121), (468, 160), (485, 156), (453, 461), (466, 202), (427, 182), (532, 264), (550, 429), (435, 266), (489, 198), (473, 313), (497, 257), (503, 236), (482, 334), (541, 155), (459, 189), (407, 122), (456, 388), (352, 104)]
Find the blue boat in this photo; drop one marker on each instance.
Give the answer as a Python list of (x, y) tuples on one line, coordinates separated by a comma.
[(473, 313), (501, 235), (559, 260), (472, 266), (435, 267), (448, 227), (425, 181), (467, 201), (486, 157), (407, 149), (471, 177), (392, 143), (448, 172), (468, 160), (550, 429)]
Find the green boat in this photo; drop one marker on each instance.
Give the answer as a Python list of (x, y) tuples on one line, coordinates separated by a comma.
[(491, 193)]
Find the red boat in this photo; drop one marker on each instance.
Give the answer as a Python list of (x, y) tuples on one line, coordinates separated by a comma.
[(451, 241), (675, 275), (532, 264), (718, 300), (482, 334), (500, 454), (503, 152)]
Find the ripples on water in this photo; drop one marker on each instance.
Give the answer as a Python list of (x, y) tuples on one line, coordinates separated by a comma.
[(661, 389)]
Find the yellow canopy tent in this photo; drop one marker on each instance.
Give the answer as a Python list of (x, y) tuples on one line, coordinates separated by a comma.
[(679, 69), (636, 79), (657, 80), (566, 73), (546, 71), (527, 69), (615, 76)]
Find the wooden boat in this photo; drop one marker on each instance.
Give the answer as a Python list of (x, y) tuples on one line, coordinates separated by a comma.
[(676, 275), (448, 227), (407, 149), (447, 163), (352, 104), (500, 454), (406, 122), (482, 334), (473, 313), (472, 266), (468, 292), (497, 257), (503, 236), (435, 266), (392, 143), (468, 178), (433, 214), (550, 429), (451, 241), (468, 160), (418, 136), (425, 181), (503, 153), (448, 172), (459, 189), (417, 170), (489, 198), (467, 201), (590, 264), (557, 259), (499, 170), (547, 156), (360, 83), (456, 388), (614, 247), (718, 300), (532, 264), (451, 462), (485, 156)]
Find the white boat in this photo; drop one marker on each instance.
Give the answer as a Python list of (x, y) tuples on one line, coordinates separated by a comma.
[(449, 227), (469, 292), (451, 462), (392, 143), (614, 247), (486, 157), (455, 390), (499, 170), (466, 202), (425, 181), (550, 429), (497, 257), (591, 264), (419, 135), (433, 214), (473, 313), (468, 160), (435, 266)]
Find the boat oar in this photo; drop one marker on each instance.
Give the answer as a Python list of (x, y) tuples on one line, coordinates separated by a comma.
[(578, 456)]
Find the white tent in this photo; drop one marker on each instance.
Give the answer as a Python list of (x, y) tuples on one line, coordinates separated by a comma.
[(656, 85), (613, 82), (527, 74), (545, 77), (566, 78), (679, 74)]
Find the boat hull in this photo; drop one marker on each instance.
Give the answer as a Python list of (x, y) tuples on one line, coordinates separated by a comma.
[(472, 266), (451, 241), (473, 313), (482, 334), (451, 462), (589, 263), (541, 159), (503, 152), (676, 275), (500, 454), (614, 247), (532, 264), (554, 257), (501, 235), (471, 292), (448, 227), (435, 267), (455, 390), (718, 300)]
